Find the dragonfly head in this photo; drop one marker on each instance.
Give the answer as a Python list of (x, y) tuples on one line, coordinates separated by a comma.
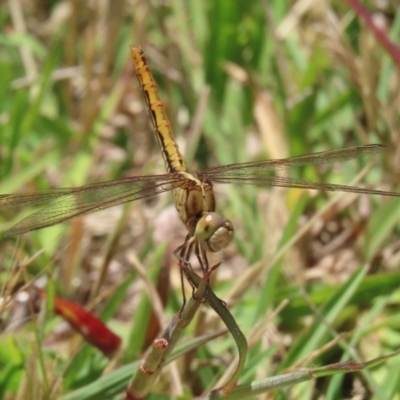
[(213, 231)]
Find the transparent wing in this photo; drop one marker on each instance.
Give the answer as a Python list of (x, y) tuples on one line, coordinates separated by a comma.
[(63, 204), (263, 172), (259, 169)]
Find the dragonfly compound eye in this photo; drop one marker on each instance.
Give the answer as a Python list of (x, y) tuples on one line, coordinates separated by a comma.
[(213, 231)]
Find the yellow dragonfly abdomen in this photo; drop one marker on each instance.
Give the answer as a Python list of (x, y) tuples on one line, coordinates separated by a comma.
[(173, 158)]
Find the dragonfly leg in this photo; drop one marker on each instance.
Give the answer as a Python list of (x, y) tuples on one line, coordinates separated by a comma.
[(204, 275), (183, 253), (183, 293), (208, 273), (201, 255)]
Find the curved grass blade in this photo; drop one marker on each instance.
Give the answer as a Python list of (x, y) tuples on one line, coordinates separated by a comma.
[(220, 308)]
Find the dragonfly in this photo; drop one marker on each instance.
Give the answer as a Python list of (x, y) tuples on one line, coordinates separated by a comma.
[(208, 231)]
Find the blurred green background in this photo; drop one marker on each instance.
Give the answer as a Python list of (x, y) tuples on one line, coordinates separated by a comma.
[(241, 81)]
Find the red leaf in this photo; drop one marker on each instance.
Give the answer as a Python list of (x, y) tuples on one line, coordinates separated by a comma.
[(89, 326)]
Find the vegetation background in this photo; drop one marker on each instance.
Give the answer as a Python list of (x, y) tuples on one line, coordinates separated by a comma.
[(311, 278)]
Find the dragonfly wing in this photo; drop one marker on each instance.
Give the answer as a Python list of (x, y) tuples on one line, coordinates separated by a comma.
[(263, 173), (302, 184), (67, 203), (258, 169)]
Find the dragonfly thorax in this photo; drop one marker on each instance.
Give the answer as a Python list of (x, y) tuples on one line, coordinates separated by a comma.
[(193, 199)]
